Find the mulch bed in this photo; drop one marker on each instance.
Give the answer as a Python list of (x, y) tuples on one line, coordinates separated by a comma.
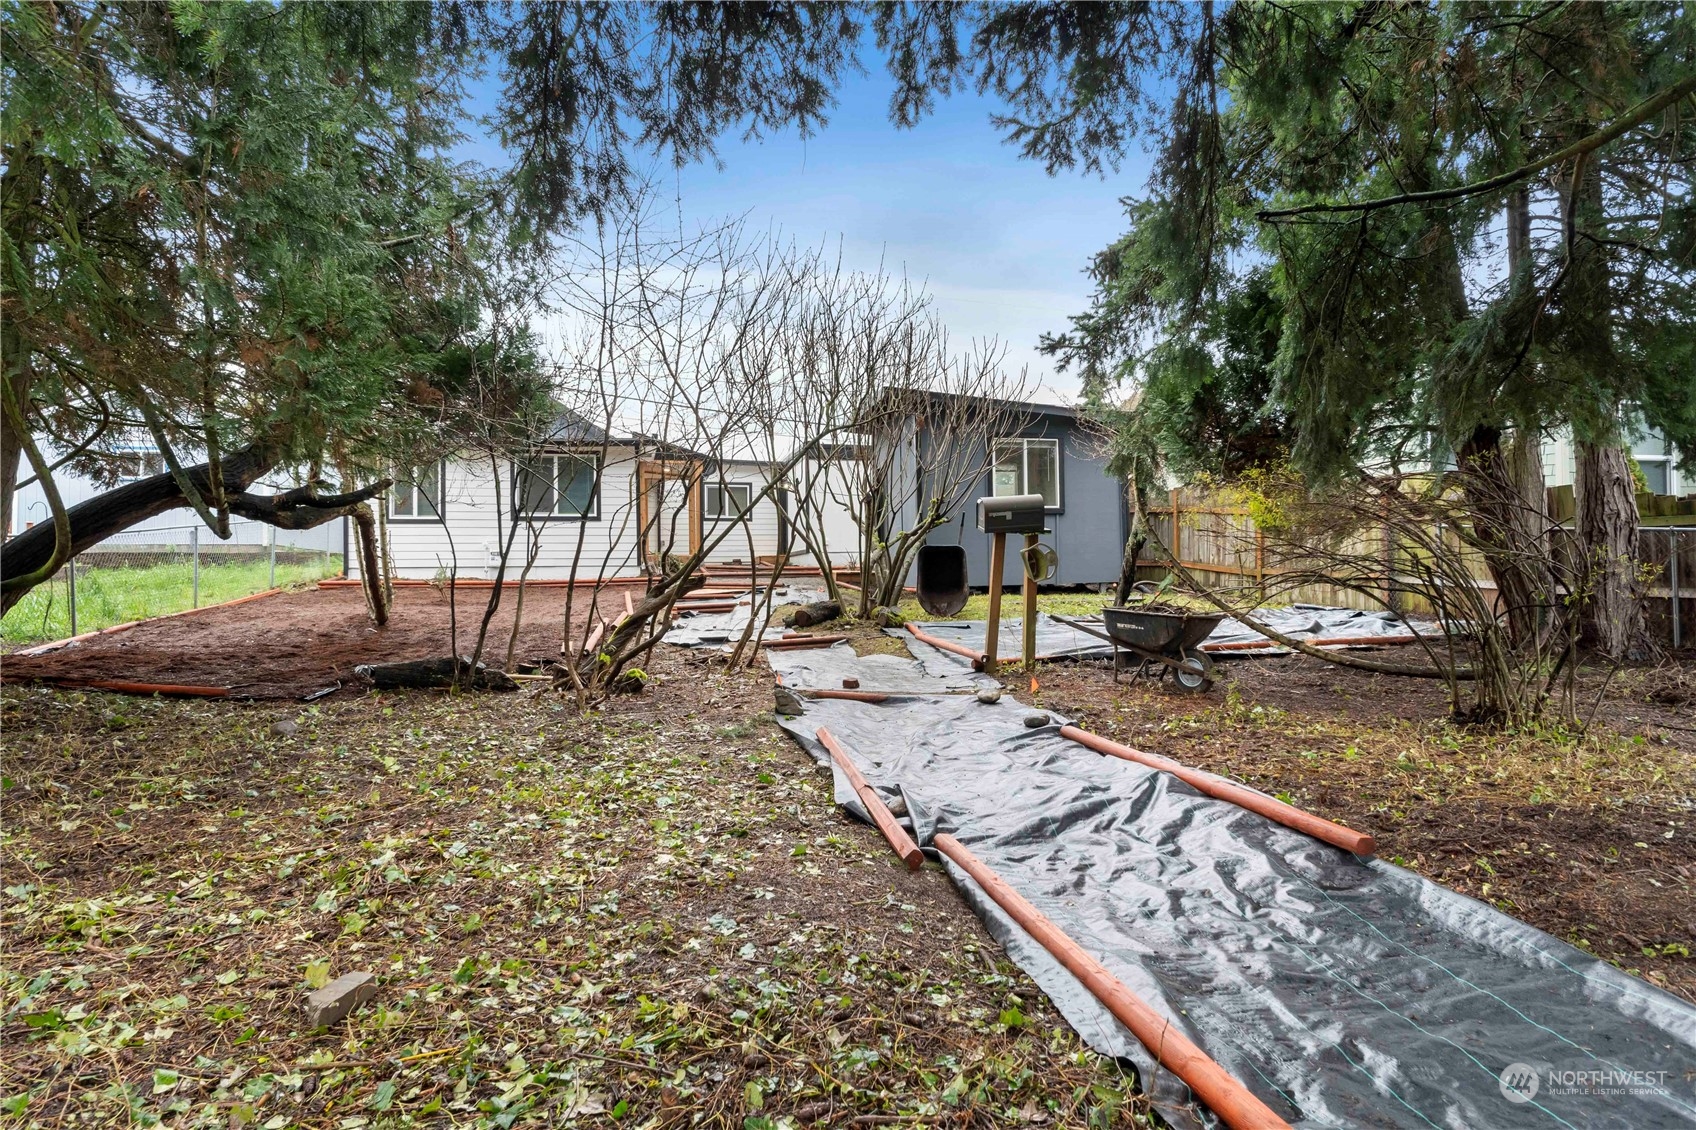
[(295, 643)]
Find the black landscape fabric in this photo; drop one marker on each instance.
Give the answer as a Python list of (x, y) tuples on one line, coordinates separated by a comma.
[(1344, 992), (1057, 640), (826, 668)]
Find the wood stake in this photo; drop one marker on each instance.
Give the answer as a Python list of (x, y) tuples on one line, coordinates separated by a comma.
[(1030, 602), (997, 565)]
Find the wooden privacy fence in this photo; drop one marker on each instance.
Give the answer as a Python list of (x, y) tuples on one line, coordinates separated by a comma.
[(1220, 545)]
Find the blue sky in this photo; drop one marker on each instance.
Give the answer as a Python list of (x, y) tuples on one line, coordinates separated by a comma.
[(1001, 244)]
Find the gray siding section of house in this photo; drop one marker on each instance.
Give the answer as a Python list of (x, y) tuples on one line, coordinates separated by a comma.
[(1088, 532)]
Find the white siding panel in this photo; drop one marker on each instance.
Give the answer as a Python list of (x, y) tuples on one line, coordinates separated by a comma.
[(825, 490), (473, 529), (761, 524)]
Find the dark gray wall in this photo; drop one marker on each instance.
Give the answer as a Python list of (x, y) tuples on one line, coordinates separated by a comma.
[(1088, 531)]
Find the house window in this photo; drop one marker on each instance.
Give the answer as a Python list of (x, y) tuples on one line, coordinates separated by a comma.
[(133, 465), (727, 500), (1027, 466), (559, 486), (1657, 473), (417, 493)]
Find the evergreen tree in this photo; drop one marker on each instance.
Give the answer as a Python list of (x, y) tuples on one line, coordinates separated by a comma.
[(239, 227), (1477, 220)]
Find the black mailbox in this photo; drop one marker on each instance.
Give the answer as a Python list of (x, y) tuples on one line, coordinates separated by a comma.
[(1013, 514)]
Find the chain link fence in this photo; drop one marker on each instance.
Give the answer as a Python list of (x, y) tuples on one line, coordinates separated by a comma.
[(154, 570)]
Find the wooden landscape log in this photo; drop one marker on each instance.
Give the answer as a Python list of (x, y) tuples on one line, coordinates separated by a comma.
[(978, 658), (1360, 843), (123, 687), (792, 643), (419, 674), (818, 612), (875, 808), (1237, 1106)]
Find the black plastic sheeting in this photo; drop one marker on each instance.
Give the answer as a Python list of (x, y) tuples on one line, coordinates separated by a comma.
[(723, 629), (1056, 640), (826, 667), (1342, 991)]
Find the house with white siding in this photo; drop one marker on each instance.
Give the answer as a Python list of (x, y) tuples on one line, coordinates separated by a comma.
[(1653, 452), (590, 504)]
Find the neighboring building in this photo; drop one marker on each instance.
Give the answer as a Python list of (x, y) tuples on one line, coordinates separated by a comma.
[(1042, 449), (171, 531), (1652, 450)]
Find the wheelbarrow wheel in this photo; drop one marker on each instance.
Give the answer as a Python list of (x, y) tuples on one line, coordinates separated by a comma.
[(1194, 672)]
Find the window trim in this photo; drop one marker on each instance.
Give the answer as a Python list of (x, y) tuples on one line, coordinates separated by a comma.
[(141, 455), (744, 486), (1664, 464), (1059, 506), (441, 503), (593, 458)]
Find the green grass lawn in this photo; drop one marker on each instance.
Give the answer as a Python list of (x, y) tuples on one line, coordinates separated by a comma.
[(1054, 603), (114, 596)]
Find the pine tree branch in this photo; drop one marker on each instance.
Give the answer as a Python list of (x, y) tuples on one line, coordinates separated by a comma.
[(1633, 117)]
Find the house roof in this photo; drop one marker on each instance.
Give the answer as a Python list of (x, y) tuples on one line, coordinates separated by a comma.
[(570, 427), (911, 397)]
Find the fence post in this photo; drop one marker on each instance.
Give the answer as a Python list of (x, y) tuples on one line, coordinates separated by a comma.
[(273, 583), (71, 574), (1672, 580), (1177, 535), (194, 548)]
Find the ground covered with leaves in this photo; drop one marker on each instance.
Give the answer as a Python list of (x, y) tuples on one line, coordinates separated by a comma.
[(650, 916)]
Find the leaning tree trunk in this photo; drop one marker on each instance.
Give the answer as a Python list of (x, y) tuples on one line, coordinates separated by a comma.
[(1504, 487), (115, 511), (1612, 621), (1134, 542)]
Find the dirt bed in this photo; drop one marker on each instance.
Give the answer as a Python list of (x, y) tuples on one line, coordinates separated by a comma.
[(295, 643), (1592, 838)]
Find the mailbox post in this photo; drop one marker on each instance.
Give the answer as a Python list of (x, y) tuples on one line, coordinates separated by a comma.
[(1011, 514)]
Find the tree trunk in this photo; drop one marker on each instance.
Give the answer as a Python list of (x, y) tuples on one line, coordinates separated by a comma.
[(114, 511), (1134, 541), (11, 452), (1607, 529), (117, 510), (376, 599), (624, 643), (1504, 486)]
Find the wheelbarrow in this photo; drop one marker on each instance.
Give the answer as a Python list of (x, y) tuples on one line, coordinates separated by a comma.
[(942, 580), (1164, 642)]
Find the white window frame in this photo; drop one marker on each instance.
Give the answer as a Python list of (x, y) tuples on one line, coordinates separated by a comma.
[(1026, 443), (141, 455), (718, 491), (1664, 462), (403, 481), (552, 458)]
